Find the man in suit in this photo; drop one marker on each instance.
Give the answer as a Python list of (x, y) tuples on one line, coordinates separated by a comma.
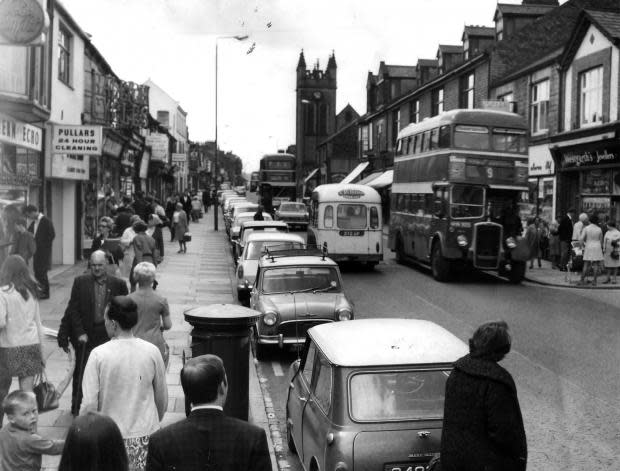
[(565, 234), (207, 439), (83, 322), (43, 230)]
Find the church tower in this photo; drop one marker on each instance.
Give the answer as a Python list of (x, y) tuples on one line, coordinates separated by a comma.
[(315, 111)]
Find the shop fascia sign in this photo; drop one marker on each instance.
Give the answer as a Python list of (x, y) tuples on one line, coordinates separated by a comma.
[(79, 140), (588, 158), (20, 134)]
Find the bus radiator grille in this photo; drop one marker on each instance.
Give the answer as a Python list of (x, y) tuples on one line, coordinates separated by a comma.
[(488, 239)]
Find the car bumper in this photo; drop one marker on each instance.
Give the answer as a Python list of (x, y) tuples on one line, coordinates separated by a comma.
[(290, 333)]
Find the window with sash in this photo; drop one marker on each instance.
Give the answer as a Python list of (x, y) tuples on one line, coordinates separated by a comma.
[(591, 97), (539, 107), (65, 43)]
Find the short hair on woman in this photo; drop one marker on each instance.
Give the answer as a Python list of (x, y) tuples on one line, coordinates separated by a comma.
[(200, 378), (594, 219), (123, 310), (94, 441), (144, 271), (490, 341), (15, 398)]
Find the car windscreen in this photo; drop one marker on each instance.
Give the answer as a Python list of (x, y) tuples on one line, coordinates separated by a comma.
[(402, 395), (293, 279), (257, 248)]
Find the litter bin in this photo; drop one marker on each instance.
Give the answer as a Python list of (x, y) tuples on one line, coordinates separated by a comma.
[(225, 330)]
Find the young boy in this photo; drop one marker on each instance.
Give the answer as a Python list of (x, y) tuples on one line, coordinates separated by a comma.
[(20, 447), (23, 241)]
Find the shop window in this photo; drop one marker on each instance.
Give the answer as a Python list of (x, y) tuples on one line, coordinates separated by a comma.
[(539, 107), (591, 97), (65, 44)]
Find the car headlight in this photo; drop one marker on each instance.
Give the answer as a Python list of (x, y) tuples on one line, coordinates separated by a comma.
[(270, 318), (511, 243), (344, 314), (461, 240)]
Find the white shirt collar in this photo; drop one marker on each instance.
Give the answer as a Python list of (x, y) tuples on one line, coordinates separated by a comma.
[(207, 406)]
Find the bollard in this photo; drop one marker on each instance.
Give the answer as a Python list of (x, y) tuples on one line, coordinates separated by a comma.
[(225, 330)]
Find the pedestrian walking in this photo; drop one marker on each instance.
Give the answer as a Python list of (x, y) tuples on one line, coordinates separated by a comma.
[(196, 208), (579, 226), (128, 249), (611, 251), (179, 219), (155, 225), (43, 230), (592, 239), (565, 234), (532, 237), (206, 200), (170, 208), (258, 215), (126, 380), (144, 248), (20, 445), (94, 441), (186, 201), (482, 423), (23, 241), (232, 444), (554, 244), (83, 323), (153, 310), (123, 216), (21, 332)]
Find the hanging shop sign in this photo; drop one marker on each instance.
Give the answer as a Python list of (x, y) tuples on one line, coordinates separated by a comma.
[(588, 156), (111, 147), (20, 134), (144, 164), (83, 140), (159, 146), (70, 167), (179, 157), (21, 21)]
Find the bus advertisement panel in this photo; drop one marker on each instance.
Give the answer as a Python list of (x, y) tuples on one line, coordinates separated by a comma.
[(458, 179), (277, 180)]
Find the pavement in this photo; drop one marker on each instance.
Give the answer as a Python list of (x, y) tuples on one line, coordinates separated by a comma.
[(202, 276), (546, 275)]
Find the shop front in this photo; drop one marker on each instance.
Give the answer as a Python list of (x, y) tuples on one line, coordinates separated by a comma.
[(20, 174), (541, 201), (589, 178)]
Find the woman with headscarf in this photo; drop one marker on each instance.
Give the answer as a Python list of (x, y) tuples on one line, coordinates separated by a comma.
[(125, 379), (482, 424)]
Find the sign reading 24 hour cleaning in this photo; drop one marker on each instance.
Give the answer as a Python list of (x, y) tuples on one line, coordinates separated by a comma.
[(79, 140)]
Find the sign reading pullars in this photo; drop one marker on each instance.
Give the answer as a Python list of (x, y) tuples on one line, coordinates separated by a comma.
[(81, 140)]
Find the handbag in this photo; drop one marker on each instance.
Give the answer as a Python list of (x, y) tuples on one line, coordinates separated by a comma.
[(187, 237), (45, 393)]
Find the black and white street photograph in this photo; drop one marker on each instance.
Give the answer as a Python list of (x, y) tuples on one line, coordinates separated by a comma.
[(286, 235)]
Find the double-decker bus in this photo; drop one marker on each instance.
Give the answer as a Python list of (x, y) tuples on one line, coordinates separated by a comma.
[(254, 177), (277, 181), (458, 179)]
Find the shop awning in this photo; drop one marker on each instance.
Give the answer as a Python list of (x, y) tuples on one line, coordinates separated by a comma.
[(355, 173), (311, 175), (385, 179), (369, 178)]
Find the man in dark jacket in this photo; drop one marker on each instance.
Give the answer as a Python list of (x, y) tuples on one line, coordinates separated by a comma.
[(482, 425), (83, 321), (207, 438), (565, 234), (43, 230)]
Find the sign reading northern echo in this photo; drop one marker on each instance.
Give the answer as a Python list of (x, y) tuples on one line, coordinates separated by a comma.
[(80, 140), (20, 134)]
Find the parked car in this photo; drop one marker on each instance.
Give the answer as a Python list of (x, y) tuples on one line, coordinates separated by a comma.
[(294, 214), (240, 189), (237, 207), (369, 394), (250, 226), (295, 290), (222, 193), (235, 226), (256, 245)]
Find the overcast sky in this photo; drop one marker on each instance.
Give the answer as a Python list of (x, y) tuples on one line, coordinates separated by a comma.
[(172, 42)]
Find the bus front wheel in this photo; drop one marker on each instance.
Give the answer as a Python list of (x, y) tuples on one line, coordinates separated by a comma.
[(439, 265), (517, 272)]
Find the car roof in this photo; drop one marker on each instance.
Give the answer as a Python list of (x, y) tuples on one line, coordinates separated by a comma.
[(274, 236), (248, 214), (274, 224), (308, 260), (384, 342)]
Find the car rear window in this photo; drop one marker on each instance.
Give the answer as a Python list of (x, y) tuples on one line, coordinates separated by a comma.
[(401, 395), (292, 207), (257, 248)]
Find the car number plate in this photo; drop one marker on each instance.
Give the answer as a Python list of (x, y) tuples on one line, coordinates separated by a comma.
[(404, 467), (352, 233)]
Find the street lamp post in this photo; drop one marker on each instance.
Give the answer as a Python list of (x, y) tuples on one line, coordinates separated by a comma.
[(215, 169)]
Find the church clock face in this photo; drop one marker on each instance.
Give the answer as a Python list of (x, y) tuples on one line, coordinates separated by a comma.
[(317, 95)]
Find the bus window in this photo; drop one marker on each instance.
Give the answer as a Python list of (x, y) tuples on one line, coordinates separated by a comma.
[(328, 218), (351, 216), (444, 137), (509, 140), (472, 137), (399, 147), (467, 201), (434, 144), (419, 138), (374, 218), (409, 146)]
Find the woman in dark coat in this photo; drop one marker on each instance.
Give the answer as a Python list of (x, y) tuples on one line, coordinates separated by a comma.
[(482, 425)]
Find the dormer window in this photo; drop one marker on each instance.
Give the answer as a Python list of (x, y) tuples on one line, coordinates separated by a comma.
[(466, 49), (499, 29)]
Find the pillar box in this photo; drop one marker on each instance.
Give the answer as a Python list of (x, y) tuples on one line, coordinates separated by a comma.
[(225, 330)]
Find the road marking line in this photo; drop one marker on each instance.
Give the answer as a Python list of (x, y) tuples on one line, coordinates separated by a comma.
[(277, 369)]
